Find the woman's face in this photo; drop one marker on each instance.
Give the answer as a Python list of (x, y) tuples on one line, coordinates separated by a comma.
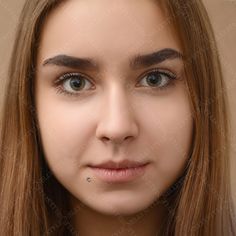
[(115, 107)]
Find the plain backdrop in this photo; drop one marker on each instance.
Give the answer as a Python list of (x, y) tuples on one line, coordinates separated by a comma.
[(223, 17)]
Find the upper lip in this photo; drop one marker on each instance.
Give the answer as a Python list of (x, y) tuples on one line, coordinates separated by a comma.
[(119, 165)]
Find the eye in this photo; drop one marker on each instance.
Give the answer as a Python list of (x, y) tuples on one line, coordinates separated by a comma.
[(72, 84), (159, 79)]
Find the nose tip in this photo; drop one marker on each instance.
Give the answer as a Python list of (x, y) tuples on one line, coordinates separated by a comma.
[(117, 128), (118, 133)]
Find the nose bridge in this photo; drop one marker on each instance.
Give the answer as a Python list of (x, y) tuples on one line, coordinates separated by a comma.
[(118, 105), (117, 118)]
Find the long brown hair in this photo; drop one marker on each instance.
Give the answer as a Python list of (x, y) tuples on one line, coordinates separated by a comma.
[(34, 203)]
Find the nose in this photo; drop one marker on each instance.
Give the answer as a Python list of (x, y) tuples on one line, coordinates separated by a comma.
[(116, 121)]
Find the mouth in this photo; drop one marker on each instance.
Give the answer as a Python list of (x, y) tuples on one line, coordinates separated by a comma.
[(119, 165), (119, 175)]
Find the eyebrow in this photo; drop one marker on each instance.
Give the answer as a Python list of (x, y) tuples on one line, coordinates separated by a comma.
[(139, 61)]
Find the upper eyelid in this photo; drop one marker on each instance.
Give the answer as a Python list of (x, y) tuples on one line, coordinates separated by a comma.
[(62, 77), (161, 70), (158, 70)]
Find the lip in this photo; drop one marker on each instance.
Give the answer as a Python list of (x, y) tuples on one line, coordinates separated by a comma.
[(119, 175), (119, 165)]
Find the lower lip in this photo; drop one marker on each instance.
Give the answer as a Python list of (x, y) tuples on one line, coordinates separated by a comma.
[(119, 175)]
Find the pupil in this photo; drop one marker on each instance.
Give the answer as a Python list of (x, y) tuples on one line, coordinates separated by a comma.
[(153, 79), (76, 83)]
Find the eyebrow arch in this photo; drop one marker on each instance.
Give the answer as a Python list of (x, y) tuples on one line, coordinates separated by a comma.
[(139, 61)]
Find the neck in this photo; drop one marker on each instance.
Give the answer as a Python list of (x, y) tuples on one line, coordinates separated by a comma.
[(148, 222)]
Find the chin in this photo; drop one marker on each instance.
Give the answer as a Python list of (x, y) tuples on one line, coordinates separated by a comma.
[(119, 207)]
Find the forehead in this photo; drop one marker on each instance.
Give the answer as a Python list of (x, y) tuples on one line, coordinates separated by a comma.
[(107, 29)]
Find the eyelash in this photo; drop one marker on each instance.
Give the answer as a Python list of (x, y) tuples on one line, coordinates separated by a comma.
[(58, 83)]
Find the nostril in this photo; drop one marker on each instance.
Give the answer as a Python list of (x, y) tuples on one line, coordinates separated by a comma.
[(105, 139)]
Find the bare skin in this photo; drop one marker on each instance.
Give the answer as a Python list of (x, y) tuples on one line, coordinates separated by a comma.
[(116, 114)]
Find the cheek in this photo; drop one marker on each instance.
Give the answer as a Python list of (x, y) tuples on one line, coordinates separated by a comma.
[(169, 133), (174, 141), (65, 131)]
